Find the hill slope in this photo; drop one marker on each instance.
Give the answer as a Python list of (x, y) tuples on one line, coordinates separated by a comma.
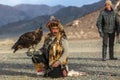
[(84, 27)]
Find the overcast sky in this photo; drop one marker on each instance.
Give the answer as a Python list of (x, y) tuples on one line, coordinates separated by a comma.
[(78, 3)]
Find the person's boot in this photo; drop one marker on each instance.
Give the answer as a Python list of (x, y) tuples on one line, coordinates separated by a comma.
[(111, 54), (104, 50)]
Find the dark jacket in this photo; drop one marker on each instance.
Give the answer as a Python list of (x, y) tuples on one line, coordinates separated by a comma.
[(107, 21), (118, 23)]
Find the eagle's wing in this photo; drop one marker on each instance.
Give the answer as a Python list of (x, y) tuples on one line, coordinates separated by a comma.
[(28, 37)]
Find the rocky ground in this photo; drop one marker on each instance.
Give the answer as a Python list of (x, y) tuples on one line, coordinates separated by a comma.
[(85, 56)]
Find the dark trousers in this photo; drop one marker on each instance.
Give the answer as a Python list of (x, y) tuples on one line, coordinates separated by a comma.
[(108, 38), (53, 72)]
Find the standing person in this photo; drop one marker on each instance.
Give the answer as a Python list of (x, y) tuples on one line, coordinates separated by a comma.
[(54, 51), (107, 24), (117, 10)]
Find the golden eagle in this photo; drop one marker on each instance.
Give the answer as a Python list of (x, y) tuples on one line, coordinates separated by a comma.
[(28, 40)]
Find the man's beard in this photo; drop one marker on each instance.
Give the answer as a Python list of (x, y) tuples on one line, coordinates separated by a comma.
[(55, 33)]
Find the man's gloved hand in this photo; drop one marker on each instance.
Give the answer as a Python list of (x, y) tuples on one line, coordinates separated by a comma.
[(117, 33), (101, 34)]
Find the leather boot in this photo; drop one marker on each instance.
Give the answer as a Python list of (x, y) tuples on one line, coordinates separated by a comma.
[(104, 50), (111, 53)]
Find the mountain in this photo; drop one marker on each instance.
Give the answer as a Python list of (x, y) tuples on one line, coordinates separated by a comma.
[(9, 14), (23, 12), (37, 10), (84, 27), (66, 15), (71, 13)]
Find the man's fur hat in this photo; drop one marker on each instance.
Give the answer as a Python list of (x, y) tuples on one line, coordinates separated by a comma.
[(54, 22)]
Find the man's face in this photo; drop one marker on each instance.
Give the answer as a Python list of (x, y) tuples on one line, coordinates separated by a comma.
[(108, 6), (55, 30)]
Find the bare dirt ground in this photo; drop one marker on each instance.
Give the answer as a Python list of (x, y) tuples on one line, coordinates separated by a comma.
[(85, 56)]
